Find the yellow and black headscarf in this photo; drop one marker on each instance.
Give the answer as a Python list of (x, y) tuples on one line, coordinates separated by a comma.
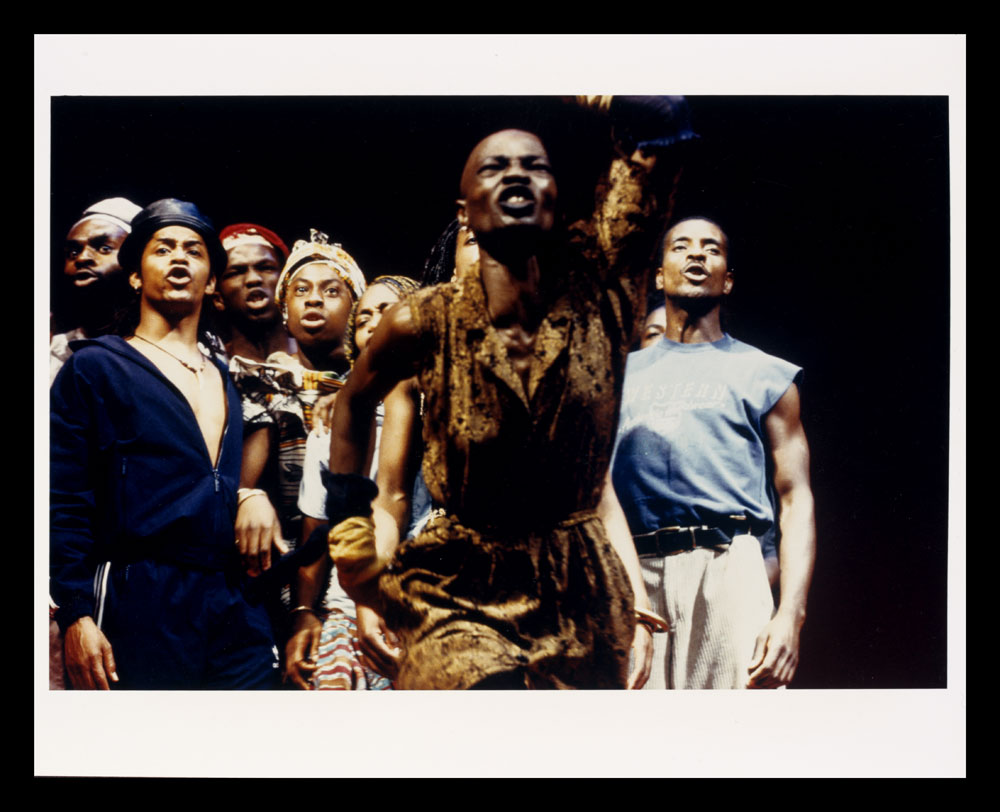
[(319, 249)]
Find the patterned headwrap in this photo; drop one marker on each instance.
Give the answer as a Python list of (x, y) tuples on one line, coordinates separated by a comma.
[(319, 249), (252, 234)]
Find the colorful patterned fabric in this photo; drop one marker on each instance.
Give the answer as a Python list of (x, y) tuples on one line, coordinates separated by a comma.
[(281, 392), (338, 668)]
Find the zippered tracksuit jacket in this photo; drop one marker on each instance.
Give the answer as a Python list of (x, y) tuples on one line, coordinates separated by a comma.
[(141, 526)]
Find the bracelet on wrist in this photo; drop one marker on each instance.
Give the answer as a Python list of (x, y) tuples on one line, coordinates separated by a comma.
[(305, 608), (242, 494)]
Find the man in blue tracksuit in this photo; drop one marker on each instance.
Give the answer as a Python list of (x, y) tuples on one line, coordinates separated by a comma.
[(146, 444)]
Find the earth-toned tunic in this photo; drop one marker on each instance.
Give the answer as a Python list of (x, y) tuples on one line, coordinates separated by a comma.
[(514, 572)]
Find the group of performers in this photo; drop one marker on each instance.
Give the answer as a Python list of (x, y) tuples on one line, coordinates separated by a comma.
[(268, 469)]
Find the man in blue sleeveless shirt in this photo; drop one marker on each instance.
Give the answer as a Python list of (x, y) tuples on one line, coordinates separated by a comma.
[(708, 425)]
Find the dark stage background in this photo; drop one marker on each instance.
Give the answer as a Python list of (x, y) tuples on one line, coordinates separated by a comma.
[(838, 211)]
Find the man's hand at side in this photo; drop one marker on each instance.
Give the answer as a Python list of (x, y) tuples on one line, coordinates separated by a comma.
[(381, 653), (642, 652), (90, 663), (302, 650), (776, 653), (257, 531)]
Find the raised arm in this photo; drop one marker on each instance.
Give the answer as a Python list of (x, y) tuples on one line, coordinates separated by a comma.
[(776, 655), (635, 196)]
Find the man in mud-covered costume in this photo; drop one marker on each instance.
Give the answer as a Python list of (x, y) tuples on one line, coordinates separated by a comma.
[(513, 583)]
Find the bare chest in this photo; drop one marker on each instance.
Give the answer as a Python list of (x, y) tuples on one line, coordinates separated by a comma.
[(207, 396), (520, 346), (204, 391)]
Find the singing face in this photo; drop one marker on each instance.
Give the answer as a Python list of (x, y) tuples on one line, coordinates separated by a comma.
[(508, 184), (246, 287), (318, 304), (176, 269), (91, 251), (695, 263)]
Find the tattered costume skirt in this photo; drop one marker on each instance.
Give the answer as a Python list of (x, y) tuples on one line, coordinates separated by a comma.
[(554, 606)]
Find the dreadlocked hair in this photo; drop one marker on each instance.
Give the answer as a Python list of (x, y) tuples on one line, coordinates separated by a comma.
[(440, 265), (403, 286)]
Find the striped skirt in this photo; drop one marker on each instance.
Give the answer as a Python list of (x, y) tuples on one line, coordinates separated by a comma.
[(337, 666)]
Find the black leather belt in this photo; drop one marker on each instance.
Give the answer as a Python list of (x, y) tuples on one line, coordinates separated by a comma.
[(671, 540)]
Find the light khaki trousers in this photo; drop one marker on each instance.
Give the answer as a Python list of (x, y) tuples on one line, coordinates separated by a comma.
[(717, 601)]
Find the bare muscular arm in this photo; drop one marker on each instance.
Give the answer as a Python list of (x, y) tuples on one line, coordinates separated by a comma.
[(397, 465), (776, 655), (616, 526)]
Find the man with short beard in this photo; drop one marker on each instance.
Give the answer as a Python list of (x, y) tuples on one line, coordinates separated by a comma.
[(708, 426), (245, 294), (91, 267), (146, 446)]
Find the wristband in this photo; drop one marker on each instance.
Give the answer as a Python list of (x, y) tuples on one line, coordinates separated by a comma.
[(651, 621)]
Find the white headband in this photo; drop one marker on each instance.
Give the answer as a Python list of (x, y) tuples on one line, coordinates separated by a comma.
[(116, 210)]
